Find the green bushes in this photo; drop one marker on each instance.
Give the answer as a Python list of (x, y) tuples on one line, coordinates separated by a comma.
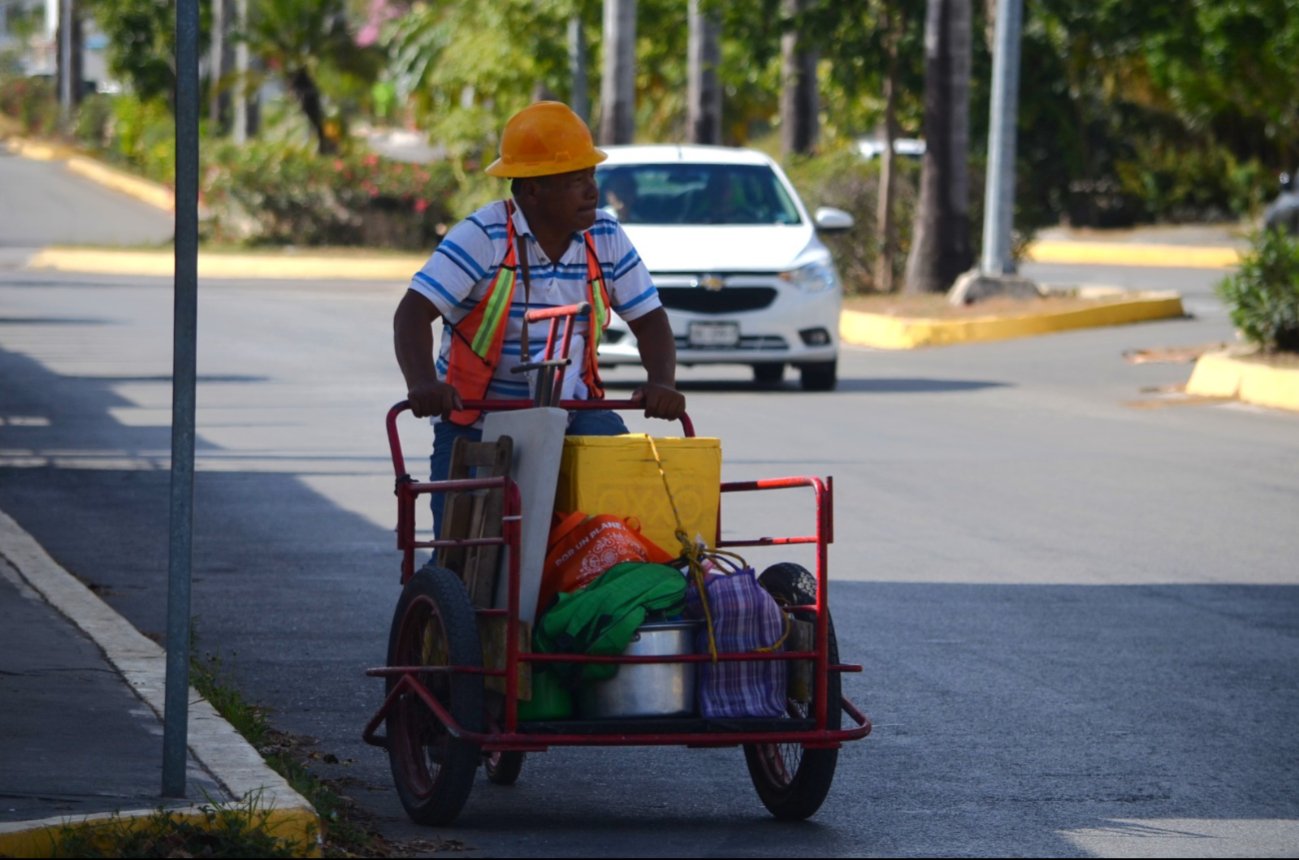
[(32, 102), (846, 181), (1186, 184), (275, 193), (1264, 294)]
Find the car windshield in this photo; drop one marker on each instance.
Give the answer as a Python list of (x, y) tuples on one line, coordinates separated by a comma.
[(695, 194)]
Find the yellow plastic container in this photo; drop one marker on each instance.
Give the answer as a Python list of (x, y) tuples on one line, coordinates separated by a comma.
[(619, 475)]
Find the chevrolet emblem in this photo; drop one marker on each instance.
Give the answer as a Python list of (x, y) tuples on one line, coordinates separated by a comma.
[(712, 283)]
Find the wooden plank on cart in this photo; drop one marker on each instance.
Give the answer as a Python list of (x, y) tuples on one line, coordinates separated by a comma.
[(475, 514), (485, 522), (492, 631)]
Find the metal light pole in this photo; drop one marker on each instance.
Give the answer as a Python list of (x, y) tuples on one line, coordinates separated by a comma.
[(175, 734), (65, 62), (999, 195)]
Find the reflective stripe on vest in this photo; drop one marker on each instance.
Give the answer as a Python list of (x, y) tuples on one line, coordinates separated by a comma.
[(478, 340)]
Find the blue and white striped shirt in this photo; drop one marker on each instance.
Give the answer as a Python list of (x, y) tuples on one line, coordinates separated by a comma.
[(460, 271)]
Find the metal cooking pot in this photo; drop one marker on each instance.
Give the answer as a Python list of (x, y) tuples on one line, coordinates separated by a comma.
[(647, 689)]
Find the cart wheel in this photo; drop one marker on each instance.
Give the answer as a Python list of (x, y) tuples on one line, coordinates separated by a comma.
[(791, 781), (435, 625), (503, 768)]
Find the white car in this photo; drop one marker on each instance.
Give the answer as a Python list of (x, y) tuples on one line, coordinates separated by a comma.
[(735, 257)]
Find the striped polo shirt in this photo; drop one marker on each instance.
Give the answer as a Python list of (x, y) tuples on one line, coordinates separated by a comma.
[(460, 271)]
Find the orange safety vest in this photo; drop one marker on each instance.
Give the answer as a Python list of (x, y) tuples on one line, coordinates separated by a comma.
[(478, 339)]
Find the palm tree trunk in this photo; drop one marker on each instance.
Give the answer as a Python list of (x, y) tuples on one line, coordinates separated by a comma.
[(308, 95), (580, 99), (704, 92), (799, 127), (940, 245), (884, 231), (618, 89)]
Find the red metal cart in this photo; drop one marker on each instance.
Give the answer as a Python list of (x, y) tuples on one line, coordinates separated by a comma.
[(441, 725)]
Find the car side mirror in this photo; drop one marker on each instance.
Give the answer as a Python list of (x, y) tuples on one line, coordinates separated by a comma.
[(830, 220)]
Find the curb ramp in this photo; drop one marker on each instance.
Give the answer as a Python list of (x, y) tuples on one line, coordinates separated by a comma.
[(1237, 377)]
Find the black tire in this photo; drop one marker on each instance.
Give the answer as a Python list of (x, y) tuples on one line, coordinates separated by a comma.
[(769, 373), (435, 625), (503, 768), (791, 781), (822, 376)]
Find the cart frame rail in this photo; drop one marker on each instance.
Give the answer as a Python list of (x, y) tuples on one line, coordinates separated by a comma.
[(514, 736)]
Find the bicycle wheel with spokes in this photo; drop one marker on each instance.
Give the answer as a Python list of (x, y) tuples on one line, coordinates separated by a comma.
[(792, 781), (435, 625)]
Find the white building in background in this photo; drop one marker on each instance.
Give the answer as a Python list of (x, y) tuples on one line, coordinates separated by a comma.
[(41, 54), (38, 56)]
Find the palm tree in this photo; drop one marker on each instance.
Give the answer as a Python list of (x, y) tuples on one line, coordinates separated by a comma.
[(293, 38), (618, 88), (940, 247), (799, 102)]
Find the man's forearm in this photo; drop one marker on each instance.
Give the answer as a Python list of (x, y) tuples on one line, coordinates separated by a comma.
[(658, 348), (413, 341)]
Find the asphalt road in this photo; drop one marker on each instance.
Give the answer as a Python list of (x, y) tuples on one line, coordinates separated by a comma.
[(1073, 594)]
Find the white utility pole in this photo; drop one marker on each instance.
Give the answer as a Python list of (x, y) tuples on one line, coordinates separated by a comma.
[(999, 194)]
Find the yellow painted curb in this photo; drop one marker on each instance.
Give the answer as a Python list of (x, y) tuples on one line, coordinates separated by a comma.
[(886, 332), (1220, 374), (35, 151), (1125, 254), (141, 189), (298, 828), (96, 171), (162, 264)]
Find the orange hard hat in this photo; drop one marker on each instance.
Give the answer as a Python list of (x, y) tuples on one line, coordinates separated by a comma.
[(544, 139)]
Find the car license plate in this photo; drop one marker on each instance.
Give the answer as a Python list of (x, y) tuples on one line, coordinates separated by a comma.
[(714, 335)]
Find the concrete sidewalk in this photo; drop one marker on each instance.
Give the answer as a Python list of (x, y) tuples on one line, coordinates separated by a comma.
[(80, 725)]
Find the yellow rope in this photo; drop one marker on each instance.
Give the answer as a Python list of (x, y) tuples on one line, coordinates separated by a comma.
[(694, 559), (689, 551)]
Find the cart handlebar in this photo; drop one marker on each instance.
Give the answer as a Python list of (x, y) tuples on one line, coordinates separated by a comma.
[(394, 441)]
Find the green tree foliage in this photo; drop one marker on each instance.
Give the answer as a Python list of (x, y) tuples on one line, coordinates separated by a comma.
[(142, 42), (301, 40), (1264, 294), (1170, 109)]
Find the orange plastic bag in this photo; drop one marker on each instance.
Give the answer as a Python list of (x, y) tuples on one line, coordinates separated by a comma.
[(582, 547)]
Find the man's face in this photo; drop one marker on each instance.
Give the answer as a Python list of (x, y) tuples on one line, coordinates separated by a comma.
[(566, 200)]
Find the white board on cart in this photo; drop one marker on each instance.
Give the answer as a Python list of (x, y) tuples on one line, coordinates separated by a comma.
[(538, 436)]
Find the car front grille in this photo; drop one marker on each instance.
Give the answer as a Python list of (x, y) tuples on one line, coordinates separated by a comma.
[(727, 300)]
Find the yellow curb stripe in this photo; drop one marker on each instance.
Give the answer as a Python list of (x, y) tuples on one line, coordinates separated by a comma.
[(34, 151), (296, 827), (886, 332), (141, 189), (1124, 254), (1220, 375), (162, 264)]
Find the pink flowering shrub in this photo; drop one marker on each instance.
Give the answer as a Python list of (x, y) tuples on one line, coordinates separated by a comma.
[(279, 194)]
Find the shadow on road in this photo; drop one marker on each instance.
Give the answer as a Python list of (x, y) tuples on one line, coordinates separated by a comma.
[(1006, 716)]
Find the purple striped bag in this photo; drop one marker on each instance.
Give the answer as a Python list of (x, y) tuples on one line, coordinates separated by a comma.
[(745, 618)]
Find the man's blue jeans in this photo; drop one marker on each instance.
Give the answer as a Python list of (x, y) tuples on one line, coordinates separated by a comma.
[(593, 422)]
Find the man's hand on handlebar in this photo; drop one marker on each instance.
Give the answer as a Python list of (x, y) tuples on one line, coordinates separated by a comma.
[(660, 401), (434, 398)]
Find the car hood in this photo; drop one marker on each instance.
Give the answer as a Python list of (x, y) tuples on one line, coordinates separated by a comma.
[(723, 248)]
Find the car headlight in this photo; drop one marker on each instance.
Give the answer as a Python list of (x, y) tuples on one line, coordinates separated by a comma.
[(813, 278)]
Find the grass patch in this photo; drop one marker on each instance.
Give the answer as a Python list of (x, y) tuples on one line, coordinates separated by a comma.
[(221, 830), (346, 830)]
